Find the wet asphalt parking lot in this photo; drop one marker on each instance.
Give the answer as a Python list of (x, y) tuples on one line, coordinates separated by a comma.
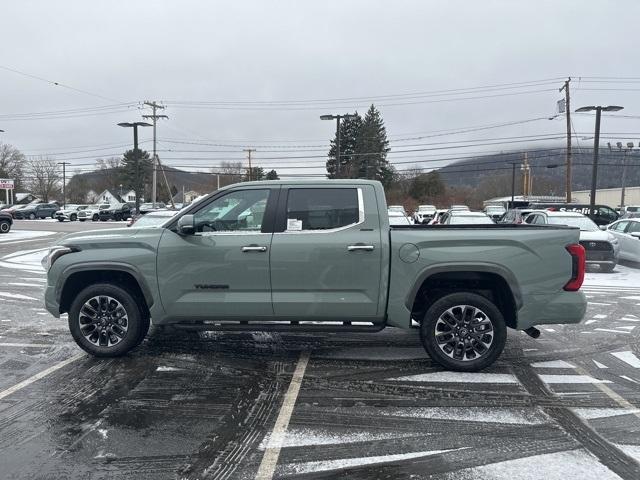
[(278, 405)]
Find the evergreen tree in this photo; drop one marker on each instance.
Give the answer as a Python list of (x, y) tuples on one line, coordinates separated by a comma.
[(372, 147), (257, 173), (349, 131), (272, 175), (129, 172)]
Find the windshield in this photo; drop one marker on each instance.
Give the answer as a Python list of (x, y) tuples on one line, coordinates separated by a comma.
[(585, 224)]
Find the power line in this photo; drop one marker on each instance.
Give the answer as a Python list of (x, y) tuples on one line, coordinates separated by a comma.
[(57, 84)]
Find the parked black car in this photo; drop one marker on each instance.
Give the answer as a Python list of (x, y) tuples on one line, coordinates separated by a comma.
[(38, 210), (116, 211), (5, 222)]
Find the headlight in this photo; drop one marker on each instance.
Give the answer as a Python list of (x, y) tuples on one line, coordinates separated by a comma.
[(55, 253)]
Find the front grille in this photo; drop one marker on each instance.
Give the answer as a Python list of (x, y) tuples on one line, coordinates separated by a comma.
[(596, 246)]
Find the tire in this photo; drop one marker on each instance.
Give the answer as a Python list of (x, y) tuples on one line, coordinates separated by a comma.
[(53, 216), (60, 219), (5, 226), (607, 268), (73, 217), (82, 219), (453, 359), (92, 340), (117, 217), (95, 217), (32, 216)]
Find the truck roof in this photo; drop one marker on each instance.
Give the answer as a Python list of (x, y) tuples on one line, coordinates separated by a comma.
[(308, 181)]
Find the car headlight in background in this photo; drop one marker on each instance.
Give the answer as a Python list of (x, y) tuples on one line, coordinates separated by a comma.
[(55, 252)]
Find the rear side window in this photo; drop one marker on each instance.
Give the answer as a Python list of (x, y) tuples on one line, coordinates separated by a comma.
[(321, 208), (620, 226)]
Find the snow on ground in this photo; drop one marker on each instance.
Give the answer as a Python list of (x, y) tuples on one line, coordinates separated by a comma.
[(623, 276), (592, 413), (512, 416), (325, 465), (458, 377), (16, 235), (28, 260), (551, 466), (304, 437)]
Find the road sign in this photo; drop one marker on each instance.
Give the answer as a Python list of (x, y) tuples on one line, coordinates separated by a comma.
[(6, 183)]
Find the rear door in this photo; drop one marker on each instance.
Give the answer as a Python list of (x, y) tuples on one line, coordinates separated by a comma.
[(326, 254)]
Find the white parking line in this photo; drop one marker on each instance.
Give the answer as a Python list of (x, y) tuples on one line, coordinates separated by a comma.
[(38, 376), (27, 345), (611, 394), (272, 452)]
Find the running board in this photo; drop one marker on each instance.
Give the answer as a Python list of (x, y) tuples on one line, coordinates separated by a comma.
[(281, 326)]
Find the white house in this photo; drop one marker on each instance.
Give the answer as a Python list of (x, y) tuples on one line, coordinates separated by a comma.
[(130, 196), (107, 197)]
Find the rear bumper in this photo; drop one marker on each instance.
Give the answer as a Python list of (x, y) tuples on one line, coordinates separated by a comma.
[(558, 308)]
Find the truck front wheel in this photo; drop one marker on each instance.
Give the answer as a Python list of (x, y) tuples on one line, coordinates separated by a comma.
[(464, 332), (106, 321)]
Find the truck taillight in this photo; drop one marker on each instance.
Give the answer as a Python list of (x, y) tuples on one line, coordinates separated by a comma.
[(578, 267)]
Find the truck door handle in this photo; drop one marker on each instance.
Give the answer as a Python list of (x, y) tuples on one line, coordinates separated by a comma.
[(358, 247), (254, 248)]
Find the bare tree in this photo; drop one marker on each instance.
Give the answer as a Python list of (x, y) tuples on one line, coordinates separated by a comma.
[(44, 178), (230, 172), (11, 161)]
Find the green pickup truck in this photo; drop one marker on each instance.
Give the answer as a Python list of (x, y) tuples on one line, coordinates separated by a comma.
[(316, 256)]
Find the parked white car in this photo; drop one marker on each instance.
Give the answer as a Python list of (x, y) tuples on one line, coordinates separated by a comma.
[(602, 248), (92, 212), (397, 218), (397, 208), (627, 231), (463, 217), (459, 207), (70, 212), (424, 213)]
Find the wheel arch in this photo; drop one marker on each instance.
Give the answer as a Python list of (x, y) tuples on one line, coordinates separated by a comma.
[(494, 282), (77, 277)]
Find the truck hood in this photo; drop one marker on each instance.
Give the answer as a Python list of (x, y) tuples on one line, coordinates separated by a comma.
[(107, 235), (595, 236)]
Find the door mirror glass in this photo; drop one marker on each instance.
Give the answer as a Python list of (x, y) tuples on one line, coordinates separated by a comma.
[(186, 225)]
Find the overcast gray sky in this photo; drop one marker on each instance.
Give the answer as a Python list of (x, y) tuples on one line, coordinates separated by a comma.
[(260, 51)]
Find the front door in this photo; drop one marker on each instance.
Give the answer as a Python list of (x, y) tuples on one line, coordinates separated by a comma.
[(326, 263), (221, 271)]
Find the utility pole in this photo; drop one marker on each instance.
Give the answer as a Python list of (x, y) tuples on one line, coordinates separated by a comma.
[(64, 183), (567, 110), (249, 151), (526, 180), (155, 118), (513, 183)]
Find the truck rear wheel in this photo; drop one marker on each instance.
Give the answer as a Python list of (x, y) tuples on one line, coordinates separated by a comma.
[(463, 332), (106, 321)]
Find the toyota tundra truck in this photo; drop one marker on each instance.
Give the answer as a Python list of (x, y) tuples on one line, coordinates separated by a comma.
[(316, 256)]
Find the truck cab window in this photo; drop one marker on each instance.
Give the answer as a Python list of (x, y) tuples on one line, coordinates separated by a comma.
[(321, 208), (237, 211)]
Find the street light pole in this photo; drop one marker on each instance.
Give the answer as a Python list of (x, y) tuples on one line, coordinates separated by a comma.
[(136, 156), (596, 147), (64, 182), (338, 154)]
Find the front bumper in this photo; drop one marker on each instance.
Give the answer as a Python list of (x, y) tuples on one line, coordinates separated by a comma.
[(51, 302), (558, 308)]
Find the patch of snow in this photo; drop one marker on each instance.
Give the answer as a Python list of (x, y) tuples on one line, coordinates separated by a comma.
[(593, 413), (549, 329), (303, 437), (459, 377), (17, 235), (588, 322), (550, 379), (103, 432), (633, 297), (628, 378), (622, 277), (513, 416), (632, 450), (16, 296), (167, 369), (326, 465), (28, 260), (553, 364), (19, 284), (600, 365), (603, 304), (550, 466), (609, 330), (600, 316)]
